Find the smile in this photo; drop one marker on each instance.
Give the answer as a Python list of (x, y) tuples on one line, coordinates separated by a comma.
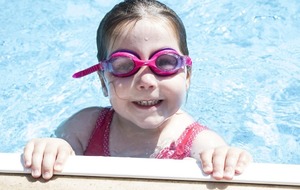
[(148, 102)]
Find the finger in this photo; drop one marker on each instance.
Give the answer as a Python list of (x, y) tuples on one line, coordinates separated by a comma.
[(27, 154), (232, 158), (36, 161), (48, 161), (206, 161), (62, 156), (244, 159), (219, 157)]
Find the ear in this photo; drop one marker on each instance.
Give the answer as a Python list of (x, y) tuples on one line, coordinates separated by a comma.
[(188, 79), (103, 85)]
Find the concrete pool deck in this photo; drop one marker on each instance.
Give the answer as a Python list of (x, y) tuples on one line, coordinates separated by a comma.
[(88, 172)]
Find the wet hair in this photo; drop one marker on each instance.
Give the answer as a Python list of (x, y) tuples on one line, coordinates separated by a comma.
[(131, 11)]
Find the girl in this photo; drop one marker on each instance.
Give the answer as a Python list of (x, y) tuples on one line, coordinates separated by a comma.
[(145, 71)]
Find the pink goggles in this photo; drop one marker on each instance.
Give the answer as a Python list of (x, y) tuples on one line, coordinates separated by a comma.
[(164, 62)]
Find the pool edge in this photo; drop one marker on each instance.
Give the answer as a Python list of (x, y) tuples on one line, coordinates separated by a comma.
[(129, 173)]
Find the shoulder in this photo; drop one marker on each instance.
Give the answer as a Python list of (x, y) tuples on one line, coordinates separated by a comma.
[(176, 126), (84, 117), (87, 113), (78, 128), (207, 139)]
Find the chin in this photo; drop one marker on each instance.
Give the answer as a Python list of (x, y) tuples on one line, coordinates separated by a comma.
[(150, 125)]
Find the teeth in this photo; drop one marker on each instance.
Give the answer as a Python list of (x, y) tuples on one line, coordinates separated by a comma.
[(147, 102)]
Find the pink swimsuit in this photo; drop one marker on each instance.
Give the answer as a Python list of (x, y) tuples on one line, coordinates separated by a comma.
[(99, 141)]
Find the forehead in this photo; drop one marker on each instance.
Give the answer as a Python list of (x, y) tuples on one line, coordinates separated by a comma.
[(144, 36)]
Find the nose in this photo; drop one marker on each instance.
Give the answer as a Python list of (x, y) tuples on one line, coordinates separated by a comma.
[(146, 79)]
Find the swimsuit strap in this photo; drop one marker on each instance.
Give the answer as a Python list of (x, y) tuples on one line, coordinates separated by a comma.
[(99, 141), (181, 148)]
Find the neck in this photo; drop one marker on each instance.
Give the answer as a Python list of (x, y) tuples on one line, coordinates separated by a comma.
[(128, 128), (132, 140)]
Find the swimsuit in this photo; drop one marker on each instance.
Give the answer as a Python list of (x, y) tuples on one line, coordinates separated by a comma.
[(99, 141)]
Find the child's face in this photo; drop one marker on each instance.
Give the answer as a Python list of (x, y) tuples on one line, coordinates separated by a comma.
[(146, 99)]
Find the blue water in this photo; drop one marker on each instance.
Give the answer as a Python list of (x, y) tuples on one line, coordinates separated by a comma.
[(246, 74)]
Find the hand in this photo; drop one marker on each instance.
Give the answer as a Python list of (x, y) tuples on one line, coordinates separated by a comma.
[(46, 155), (224, 162)]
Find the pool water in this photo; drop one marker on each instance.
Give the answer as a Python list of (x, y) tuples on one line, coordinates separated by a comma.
[(246, 69)]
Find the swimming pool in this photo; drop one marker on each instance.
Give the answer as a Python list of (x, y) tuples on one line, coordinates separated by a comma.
[(246, 74)]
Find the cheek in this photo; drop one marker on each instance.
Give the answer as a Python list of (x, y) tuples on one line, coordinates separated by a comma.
[(110, 83), (119, 87), (178, 89)]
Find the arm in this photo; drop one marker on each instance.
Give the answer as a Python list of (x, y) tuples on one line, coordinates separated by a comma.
[(78, 129), (47, 155), (217, 158)]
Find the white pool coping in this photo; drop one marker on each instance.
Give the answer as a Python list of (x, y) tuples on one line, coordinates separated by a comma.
[(141, 168)]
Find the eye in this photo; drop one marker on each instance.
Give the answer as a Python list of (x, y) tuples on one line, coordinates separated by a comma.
[(167, 62), (121, 65)]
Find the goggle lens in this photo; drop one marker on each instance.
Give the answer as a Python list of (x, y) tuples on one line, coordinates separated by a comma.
[(167, 62), (121, 65)]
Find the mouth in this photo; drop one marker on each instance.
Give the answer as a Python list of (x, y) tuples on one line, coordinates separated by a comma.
[(147, 103)]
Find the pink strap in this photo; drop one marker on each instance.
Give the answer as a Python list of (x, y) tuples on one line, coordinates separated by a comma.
[(181, 148), (87, 71), (99, 141)]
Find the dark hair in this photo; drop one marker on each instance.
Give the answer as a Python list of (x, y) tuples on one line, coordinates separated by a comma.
[(132, 11)]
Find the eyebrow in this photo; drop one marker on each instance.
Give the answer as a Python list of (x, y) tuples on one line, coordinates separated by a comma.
[(137, 55), (127, 51), (159, 51)]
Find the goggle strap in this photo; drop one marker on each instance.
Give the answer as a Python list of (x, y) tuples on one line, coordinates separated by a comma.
[(87, 71), (188, 61)]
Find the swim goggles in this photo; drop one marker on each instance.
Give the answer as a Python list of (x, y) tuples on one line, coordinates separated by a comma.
[(164, 62)]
